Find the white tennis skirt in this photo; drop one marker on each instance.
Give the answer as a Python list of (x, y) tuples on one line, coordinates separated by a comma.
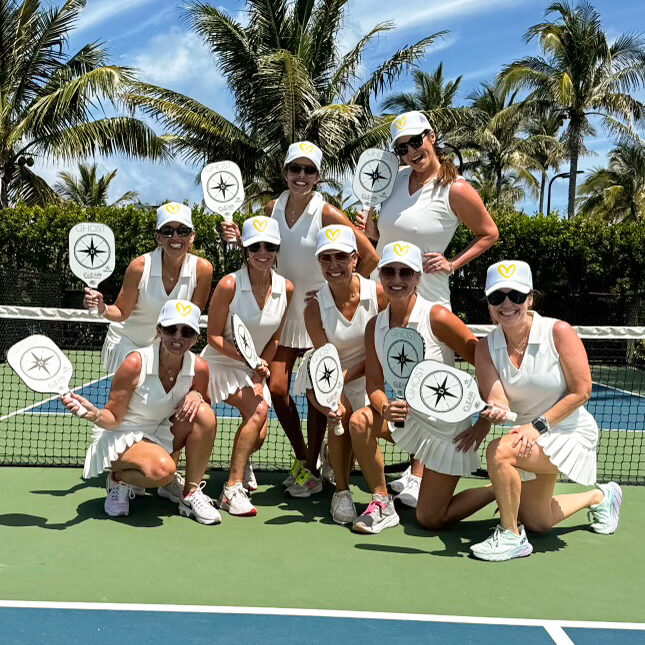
[(225, 380), (108, 445), (433, 445), (294, 334), (114, 353)]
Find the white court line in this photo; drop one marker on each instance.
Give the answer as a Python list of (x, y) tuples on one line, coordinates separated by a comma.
[(325, 613), (558, 635), (618, 389), (51, 398)]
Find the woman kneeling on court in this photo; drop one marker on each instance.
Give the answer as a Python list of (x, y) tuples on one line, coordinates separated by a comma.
[(447, 450), (260, 297), (339, 315), (158, 405), (538, 368)]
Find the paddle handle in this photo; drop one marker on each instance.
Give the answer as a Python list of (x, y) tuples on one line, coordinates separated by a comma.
[(509, 416), (399, 424), (82, 411), (93, 310)]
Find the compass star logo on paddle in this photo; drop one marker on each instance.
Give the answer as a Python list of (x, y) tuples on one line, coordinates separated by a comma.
[(327, 375), (375, 175), (40, 363), (441, 391), (223, 186), (92, 251), (402, 358)]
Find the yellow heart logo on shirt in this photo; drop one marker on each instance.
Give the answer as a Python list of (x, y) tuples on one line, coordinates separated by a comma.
[(399, 249), (307, 147), (259, 225), (506, 271), (332, 235), (184, 310), (399, 123), (173, 208)]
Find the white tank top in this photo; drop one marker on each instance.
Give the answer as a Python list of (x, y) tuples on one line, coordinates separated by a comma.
[(297, 261), (424, 218), (150, 404), (539, 383), (348, 335), (261, 323), (140, 327)]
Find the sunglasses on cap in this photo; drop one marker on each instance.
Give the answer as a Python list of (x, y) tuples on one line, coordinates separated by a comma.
[(339, 256), (268, 247), (296, 169), (405, 272), (497, 297), (415, 142), (184, 330), (169, 231)]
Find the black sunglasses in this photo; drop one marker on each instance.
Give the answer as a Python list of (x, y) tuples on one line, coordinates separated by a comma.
[(268, 246), (340, 257), (296, 169), (415, 142), (169, 231), (497, 297), (186, 332), (389, 272)]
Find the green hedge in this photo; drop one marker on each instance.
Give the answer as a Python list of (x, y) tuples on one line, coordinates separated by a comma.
[(572, 261)]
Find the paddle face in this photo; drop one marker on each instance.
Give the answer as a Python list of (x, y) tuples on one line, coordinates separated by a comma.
[(223, 188), (41, 365), (403, 348), (243, 342), (374, 176), (91, 252), (443, 392), (326, 375)]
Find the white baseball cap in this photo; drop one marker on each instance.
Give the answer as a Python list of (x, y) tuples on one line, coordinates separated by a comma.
[(174, 212), (336, 237), (408, 124), (509, 274), (403, 252), (260, 229), (304, 149), (179, 312)]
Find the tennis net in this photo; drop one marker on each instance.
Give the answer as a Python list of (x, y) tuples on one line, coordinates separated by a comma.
[(35, 429)]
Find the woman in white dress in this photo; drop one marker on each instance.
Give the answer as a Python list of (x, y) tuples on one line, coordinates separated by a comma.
[(301, 212), (427, 204), (169, 272), (339, 315), (538, 368), (260, 297), (447, 451), (158, 405)]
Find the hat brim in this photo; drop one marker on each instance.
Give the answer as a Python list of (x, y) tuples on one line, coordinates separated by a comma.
[(409, 132), (508, 284), (343, 247), (272, 239), (174, 218), (408, 263), (180, 320), (300, 155)]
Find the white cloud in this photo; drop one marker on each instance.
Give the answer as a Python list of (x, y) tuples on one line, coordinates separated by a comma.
[(99, 11)]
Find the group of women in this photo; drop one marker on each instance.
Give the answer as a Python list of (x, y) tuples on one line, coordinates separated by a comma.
[(309, 278)]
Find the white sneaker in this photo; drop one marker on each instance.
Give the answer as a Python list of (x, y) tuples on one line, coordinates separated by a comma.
[(118, 497), (199, 506), (605, 515), (409, 496), (503, 544), (306, 484), (296, 467), (138, 490), (235, 500), (399, 484), (249, 481), (326, 471), (379, 515), (343, 510), (174, 490)]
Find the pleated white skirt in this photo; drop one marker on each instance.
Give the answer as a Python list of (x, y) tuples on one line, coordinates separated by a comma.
[(294, 334), (115, 349)]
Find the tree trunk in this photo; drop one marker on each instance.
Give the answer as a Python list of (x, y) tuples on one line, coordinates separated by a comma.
[(4, 188), (573, 172), (542, 189)]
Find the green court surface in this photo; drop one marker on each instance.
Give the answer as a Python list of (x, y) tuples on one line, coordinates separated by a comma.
[(58, 545)]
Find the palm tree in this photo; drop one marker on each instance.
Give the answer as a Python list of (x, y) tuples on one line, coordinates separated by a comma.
[(87, 190), (289, 82), (47, 99), (617, 193), (434, 96), (506, 194), (582, 75)]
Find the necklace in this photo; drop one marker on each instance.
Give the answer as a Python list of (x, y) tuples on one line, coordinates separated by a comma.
[(170, 374), (521, 348)]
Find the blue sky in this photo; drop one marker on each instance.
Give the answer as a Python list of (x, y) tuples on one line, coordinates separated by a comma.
[(484, 34)]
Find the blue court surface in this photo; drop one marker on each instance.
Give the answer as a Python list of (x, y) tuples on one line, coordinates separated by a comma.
[(66, 623), (613, 409)]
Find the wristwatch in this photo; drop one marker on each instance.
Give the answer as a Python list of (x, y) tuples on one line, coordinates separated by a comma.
[(541, 424)]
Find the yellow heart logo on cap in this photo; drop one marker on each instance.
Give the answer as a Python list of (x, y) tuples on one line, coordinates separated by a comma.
[(332, 235), (184, 310), (173, 208), (399, 123), (401, 250), (259, 225), (506, 271), (306, 147)]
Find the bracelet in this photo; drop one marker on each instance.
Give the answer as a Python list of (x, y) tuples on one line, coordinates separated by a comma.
[(452, 268)]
